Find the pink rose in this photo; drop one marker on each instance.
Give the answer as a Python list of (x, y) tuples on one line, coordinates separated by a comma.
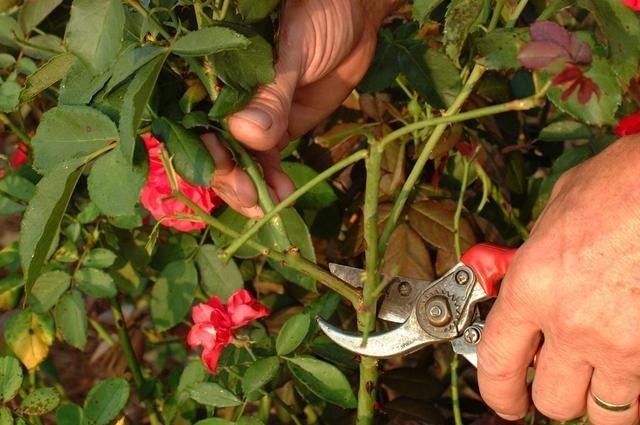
[(633, 4), (155, 195), (215, 323), (628, 125), (19, 155)]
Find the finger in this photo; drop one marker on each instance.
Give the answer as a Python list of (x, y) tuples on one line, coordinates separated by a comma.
[(561, 383), (505, 352), (613, 389), (314, 102), (262, 124), (277, 179), (230, 182)]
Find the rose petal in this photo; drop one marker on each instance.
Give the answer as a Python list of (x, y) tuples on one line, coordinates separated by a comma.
[(628, 125), (211, 356), (201, 313), (633, 4), (202, 334)]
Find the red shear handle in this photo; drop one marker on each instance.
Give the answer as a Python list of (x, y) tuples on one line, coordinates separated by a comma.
[(489, 263)]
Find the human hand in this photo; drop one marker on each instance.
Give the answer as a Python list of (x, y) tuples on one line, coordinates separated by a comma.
[(574, 281), (324, 50)]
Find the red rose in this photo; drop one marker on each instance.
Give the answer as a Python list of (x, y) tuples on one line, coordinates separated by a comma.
[(19, 155), (628, 125), (633, 4), (155, 195), (215, 323)]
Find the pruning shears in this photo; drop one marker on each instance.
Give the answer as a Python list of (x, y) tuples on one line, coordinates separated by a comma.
[(430, 311)]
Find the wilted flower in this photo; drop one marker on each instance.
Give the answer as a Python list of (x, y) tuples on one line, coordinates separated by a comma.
[(628, 125), (215, 323), (633, 4), (156, 193), (560, 52)]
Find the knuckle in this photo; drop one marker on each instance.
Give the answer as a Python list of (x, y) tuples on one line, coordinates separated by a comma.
[(492, 361)]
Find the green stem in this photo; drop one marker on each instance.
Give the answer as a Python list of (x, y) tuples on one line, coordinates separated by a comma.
[(459, 206), (420, 163), (4, 118), (497, 12), (516, 13), (135, 4), (130, 356), (455, 394), (237, 243), (367, 313), (289, 258), (281, 239)]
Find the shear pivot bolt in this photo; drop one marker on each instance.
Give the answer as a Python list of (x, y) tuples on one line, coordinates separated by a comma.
[(472, 335), (438, 313), (462, 277), (404, 289)]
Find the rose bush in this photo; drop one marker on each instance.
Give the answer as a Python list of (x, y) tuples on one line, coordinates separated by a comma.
[(468, 115)]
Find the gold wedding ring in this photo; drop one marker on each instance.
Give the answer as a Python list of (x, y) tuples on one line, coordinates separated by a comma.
[(610, 406)]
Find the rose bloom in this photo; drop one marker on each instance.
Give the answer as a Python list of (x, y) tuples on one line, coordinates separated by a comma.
[(633, 4), (216, 322), (156, 193), (628, 125)]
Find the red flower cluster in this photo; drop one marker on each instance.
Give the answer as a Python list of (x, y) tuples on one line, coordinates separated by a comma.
[(628, 125), (215, 324), (633, 4), (155, 195), (19, 157)]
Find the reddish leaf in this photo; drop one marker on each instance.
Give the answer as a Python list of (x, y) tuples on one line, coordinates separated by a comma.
[(407, 255), (551, 32), (539, 54), (587, 88), (580, 51)]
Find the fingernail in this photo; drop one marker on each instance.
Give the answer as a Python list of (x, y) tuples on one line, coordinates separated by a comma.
[(508, 417), (257, 117)]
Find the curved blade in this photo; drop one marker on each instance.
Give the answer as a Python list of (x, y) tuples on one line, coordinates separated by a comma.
[(352, 275), (402, 340)]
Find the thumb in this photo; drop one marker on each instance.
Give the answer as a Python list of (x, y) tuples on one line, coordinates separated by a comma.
[(263, 123)]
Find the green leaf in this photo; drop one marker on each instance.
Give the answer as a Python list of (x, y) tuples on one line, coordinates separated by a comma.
[(597, 111), (499, 48), (70, 132), (106, 400), (9, 95), (292, 333), (216, 276), (52, 44), (323, 379), (260, 374), (247, 68), (10, 290), (173, 293), (39, 402), (238, 223), (249, 420), (71, 319), (621, 28), (47, 289), (17, 187), (47, 75), (194, 373), (35, 11), (70, 414), (321, 196), (135, 102), (10, 377), (6, 60), (229, 100), (88, 213), (209, 40), (9, 29), (114, 185), (560, 131), (214, 421), (99, 258), (459, 20), (5, 414), (300, 237), (79, 85), (191, 159), (423, 8), (95, 283), (41, 221), (256, 10), (29, 336), (94, 33), (130, 60), (213, 395)]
